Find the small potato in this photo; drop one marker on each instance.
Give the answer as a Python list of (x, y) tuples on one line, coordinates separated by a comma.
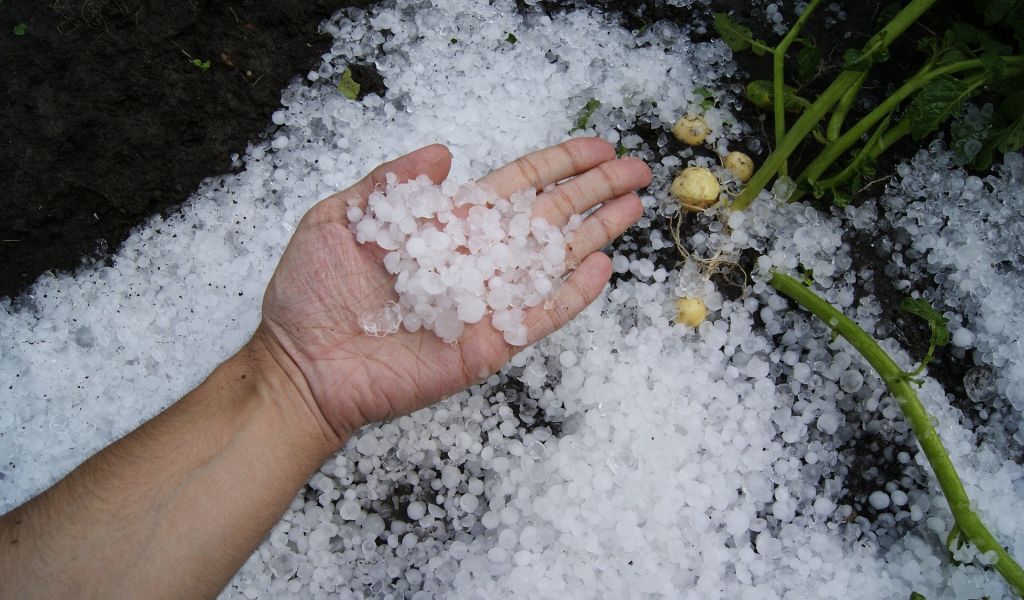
[(691, 312), (690, 129), (696, 188), (740, 165)]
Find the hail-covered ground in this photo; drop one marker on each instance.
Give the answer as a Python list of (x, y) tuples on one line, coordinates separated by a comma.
[(624, 456)]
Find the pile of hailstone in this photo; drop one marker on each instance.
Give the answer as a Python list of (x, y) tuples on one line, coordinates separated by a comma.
[(459, 252)]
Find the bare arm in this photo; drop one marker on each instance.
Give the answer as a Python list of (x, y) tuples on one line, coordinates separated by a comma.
[(175, 508)]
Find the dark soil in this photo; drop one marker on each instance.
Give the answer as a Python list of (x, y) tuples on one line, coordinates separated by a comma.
[(106, 120)]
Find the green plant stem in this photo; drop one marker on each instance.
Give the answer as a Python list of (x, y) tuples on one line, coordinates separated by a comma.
[(778, 80), (803, 126), (836, 149), (779, 102), (867, 152), (817, 111), (891, 136), (870, 151), (899, 385), (835, 124)]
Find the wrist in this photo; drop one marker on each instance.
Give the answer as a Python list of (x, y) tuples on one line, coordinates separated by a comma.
[(281, 387)]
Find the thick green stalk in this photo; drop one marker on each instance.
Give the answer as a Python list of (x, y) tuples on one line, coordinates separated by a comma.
[(868, 152), (817, 111), (835, 123), (778, 80), (836, 149), (898, 383), (871, 151), (890, 137), (803, 126), (779, 102)]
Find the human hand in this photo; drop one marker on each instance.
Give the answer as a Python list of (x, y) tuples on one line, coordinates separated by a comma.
[(326, 280)]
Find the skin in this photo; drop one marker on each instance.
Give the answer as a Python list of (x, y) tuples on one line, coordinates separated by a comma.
[(173, 509)]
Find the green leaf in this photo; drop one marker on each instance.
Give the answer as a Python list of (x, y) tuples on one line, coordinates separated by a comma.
[(453, 41), (202, 64), (1006, 133), (994, 66), (936, 322), (808, 59), (855, 60), (621, 150), (875, 51), (1016, 24), (868, 168), (934, 103), (929, 46), (975, 39), (20, 29), (815, 190), (1008, 86), (841, 198), (737, 37), (761, 94), (807, 276), (857, 181), (948, 56), (347, 86), (707, 99), (1012, 137), (858, 60), (889, 11), (511, 39), (916, 596), (997, 11), (583, 117)]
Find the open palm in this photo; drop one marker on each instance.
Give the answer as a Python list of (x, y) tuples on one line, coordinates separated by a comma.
[(325, 280)]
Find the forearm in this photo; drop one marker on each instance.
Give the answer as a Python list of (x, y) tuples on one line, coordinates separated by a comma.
[(173, 509)]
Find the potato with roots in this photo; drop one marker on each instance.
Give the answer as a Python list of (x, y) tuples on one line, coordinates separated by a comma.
[(696, 188), (691, 129), (691, 312), (740, 165)]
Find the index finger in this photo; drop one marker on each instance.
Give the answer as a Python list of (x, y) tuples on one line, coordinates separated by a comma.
[(544, 167)]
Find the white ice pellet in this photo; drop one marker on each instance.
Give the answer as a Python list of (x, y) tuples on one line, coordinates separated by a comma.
[(381, 321), (824, 507), (851, 381), (468, 502), (453, 271), (367, 445), (962, 338), (828, 423), (471, 309), (879, 500), (450, 477), (620, 264), (416, 510), (349, 510)]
